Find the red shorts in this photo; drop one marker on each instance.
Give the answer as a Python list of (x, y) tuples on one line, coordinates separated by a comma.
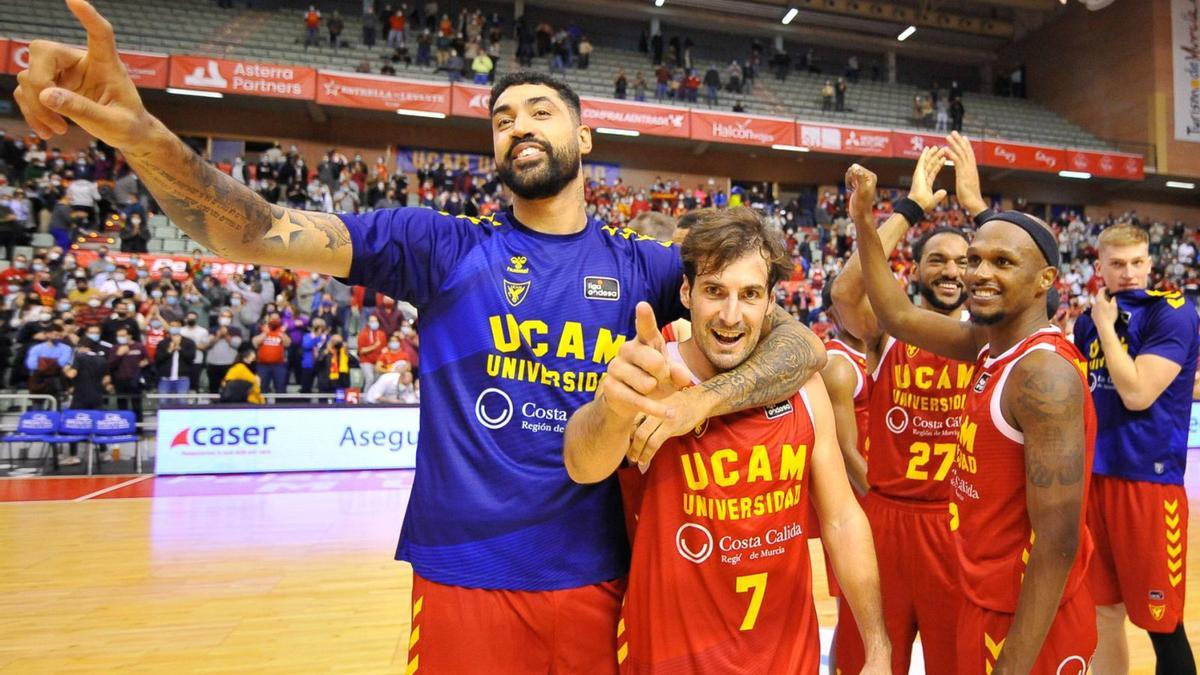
[(1067, 650), (475, 630), (918, 579), (1140, 530)]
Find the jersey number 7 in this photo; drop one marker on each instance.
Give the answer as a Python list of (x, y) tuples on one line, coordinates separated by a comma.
[(758, 584)]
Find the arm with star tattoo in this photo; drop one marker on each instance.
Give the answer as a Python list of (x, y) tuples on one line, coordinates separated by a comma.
[(232, 220)]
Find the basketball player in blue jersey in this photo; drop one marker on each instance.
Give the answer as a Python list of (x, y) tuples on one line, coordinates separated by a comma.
[(516, 568), (1141, 348)]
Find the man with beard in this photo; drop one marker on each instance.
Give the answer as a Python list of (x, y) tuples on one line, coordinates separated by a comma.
[(915, 401), (745, 478), (516, 568), (1022, 462), (1142, 348)]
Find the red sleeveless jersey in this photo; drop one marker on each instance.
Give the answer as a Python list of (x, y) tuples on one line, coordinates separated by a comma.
[(988, 514), (916, 399), (862, 391), (720, 580)]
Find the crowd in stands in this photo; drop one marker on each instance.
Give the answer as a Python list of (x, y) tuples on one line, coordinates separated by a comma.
[(90, 321)]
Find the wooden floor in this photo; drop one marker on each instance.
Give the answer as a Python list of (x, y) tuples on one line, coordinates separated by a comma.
[(275, 573)]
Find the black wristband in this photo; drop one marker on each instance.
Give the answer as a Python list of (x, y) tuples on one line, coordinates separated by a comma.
[(984, 216), (911, 210)]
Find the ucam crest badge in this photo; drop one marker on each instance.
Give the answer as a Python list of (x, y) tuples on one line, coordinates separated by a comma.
[(911, 350), (515, 292)]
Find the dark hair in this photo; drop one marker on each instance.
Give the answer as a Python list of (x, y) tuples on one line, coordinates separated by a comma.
[(827, 294), (720, 236), (520, 77), (918, 248), (687, 220)]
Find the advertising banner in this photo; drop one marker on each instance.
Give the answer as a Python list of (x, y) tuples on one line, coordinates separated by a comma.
[(1107, 164), (149, 71), (226, 439), (845, 140), (653, 120), (910, 144), (377, 92), (469, 100), (243, 77), (737, 128), (1023, 156), (5, 43), (1185, 67)]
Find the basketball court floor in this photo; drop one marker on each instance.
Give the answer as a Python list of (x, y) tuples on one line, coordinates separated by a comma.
[(270, 573)]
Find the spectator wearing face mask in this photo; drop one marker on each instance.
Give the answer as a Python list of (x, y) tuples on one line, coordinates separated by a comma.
[(241, 384), (117, 283), (308, 290), (102, 260), (170, 309), (81, 291), (198, 334), (371, 342), (391, 354), (121, 317), (125, 363), (195, 302), (89, 380), (222, 349), (312, 346), (328, 312), (45, 362), (155, 333), (333, 370), (17, 274), (134, 234), (272, 343), (93, 313), (173, 361)]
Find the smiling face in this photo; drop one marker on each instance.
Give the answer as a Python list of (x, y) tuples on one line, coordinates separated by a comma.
[(1006, 273), (940, 272), (728, 309), (537, 141)]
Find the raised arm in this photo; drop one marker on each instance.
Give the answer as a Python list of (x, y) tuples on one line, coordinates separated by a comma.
[(849, 289), (840, 382), (1045, 401), (896, 313), (1139, 381), (92, 88)]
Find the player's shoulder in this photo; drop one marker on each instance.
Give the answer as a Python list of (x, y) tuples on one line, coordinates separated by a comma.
[(628, 239), (417, 216)]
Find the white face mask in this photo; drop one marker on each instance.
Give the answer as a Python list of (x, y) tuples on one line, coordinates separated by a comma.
[(393, 345), (373, 324), (224, 321), (93, 303)]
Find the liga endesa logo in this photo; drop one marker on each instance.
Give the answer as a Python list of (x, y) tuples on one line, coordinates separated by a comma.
[(222, 436)]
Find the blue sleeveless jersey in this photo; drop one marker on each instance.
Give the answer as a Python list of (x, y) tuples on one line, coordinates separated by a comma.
[(1148, 445), (516, 329)]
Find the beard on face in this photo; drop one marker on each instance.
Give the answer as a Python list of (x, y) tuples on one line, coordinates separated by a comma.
[(930, 294), (984, 320), (539, 182)]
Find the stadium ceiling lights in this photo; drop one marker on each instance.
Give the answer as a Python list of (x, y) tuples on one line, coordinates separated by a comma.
[(791, 14), (1081, 175), (659, 3), (617, 132), (195, 92), (1181, 185), (907, 33), (421, 113), (789, 148)]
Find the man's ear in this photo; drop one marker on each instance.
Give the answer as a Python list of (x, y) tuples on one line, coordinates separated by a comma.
[(685, 294), (585, 139)]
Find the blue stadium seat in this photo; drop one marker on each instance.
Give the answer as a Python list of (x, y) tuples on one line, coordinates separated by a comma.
[(42, 426), (114, 427)]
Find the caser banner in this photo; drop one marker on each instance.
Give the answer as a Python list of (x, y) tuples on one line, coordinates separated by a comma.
[(227, 439)]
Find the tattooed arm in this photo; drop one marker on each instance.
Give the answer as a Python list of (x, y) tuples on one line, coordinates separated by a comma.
[(93, 89), (232, 220), (1044, 400), (779, 366)]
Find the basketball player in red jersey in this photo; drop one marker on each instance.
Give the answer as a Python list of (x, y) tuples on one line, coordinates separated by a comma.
[(915, 400), (720, 580), (847, 379), (1025, 446)]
